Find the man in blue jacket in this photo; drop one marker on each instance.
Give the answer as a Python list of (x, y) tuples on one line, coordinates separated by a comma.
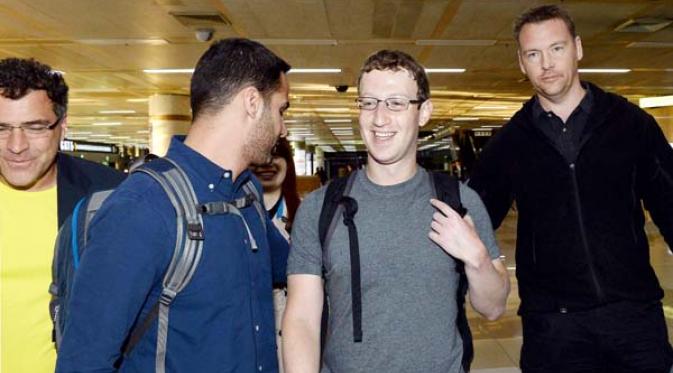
[(38, 189), (580, 162), (222, 321)]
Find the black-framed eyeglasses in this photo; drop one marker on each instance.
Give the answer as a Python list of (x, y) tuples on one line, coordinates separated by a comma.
[(30, 129), (392, 103)]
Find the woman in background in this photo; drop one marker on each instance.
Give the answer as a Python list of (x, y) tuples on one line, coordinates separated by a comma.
[(281, 199)]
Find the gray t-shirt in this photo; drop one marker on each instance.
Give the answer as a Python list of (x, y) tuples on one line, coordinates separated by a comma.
[(408, 282)]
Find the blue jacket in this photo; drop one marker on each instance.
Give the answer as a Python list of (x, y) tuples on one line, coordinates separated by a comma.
[(221, 322)]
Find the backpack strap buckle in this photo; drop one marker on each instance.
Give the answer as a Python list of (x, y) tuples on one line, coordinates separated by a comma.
[(195, 231)]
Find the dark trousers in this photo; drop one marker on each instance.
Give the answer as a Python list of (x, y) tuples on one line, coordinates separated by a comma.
[(619, 337)]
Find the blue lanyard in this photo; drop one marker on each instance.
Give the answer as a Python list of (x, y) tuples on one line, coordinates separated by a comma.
[(279, 212)]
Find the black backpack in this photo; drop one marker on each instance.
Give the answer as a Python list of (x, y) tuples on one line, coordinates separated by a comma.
[(338, 202), (72, 236)]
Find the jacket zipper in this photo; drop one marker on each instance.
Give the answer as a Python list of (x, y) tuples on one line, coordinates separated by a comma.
[(585, 244)]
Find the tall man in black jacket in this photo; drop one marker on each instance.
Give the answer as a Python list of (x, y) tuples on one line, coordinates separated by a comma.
[(39, 187), (579, 162)]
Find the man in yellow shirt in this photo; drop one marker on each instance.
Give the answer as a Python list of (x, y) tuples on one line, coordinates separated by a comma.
[(38, 189)]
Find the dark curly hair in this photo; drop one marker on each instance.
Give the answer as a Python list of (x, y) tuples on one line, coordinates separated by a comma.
[(18, 77)]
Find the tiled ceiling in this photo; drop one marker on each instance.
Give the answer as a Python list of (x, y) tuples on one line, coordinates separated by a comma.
[(103, 46)]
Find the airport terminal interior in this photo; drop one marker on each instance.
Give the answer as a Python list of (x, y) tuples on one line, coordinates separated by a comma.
[(128, 65)]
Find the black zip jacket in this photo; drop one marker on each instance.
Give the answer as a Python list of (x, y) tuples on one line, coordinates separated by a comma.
[(77, 178), (581, 241)]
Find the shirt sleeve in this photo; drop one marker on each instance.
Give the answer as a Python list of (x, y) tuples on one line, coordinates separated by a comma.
[(656, 177), (482, 223), (123, 262), (305, 252)]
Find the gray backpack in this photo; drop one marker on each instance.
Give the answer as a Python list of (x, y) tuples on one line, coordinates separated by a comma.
[(72, 236)]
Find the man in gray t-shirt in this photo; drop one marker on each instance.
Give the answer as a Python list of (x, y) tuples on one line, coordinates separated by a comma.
[(407, 244)]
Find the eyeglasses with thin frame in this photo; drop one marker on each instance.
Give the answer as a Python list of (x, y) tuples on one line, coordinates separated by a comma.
[(33, 130), (392, 103)]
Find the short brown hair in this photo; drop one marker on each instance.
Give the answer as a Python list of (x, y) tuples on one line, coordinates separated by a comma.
[(395, 61), (541, 14)]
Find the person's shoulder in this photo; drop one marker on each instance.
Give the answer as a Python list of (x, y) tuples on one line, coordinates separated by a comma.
[(102, 175)]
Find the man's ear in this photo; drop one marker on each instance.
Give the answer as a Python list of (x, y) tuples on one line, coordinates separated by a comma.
[(253, 102), (425, 112), (64, 127), (519, 58), (578, 48)]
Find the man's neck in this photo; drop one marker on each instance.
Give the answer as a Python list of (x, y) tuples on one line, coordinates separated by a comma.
[(564, 106), (390, 174), (217, 140)]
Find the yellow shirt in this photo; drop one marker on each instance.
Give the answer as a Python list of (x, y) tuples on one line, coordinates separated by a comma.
[(28, 227)]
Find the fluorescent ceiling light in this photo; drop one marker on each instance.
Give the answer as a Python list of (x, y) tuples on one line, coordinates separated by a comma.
[(444, 70), (314, 71), (650, 44), (338, 120), (604, 71), (101, 135), (142, 132), (647, 102), (137, 99), (349, 148), (341, 128), (297, 41), (429, 146), (465, 119), (122, 41), (455, 43), (116, 111), (106, 124), (326, 148), (168, 71), (332, 109), (493, 107)]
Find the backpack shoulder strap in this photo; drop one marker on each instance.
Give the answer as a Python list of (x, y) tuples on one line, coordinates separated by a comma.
[(186, 254), (336, 189), (249, 188), (447, 189), (338, 202)]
